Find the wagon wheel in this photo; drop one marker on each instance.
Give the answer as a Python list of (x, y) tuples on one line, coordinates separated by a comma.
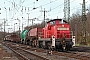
[(49, 45)]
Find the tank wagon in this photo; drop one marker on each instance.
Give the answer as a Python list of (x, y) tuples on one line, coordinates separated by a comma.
[(23, 36), (55, 35)]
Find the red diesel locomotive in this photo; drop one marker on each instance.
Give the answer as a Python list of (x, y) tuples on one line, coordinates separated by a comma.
[(55, 35)]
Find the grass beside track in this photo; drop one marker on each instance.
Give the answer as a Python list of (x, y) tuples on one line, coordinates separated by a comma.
[(82, 45)]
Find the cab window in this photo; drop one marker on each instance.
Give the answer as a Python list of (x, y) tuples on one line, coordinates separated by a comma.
[(61, 22), (52, 23)]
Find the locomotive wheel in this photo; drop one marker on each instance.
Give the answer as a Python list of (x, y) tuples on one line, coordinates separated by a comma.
[(67, 47), (40, 44), (22, 41), (30, 43), (49, 45), (63, 48)]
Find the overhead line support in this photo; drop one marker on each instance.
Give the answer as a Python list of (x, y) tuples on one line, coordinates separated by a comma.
[(83, 41), (67, 10), (44, 15)]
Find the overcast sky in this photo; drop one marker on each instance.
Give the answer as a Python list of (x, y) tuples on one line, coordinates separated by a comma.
[(13, 9)]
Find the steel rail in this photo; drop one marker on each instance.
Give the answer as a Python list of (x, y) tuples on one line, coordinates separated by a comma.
[(24, 57)]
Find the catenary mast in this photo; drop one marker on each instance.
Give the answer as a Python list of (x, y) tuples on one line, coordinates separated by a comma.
[(67, 10), (83, 41)]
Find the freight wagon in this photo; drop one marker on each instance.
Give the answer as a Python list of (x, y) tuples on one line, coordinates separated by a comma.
[(12, 37), (7, 38), (55, 35)]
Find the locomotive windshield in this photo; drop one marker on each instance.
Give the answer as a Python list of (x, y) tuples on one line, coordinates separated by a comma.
[(62, 22), (52, 22)]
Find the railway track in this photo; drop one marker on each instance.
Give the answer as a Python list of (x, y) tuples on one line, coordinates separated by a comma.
[(75, 55), (28, 53), (25, 54)]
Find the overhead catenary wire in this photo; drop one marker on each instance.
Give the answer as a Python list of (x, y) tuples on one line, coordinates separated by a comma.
[(41, 5), (56, 8), (15, 6), (60, 7), (46, 4)]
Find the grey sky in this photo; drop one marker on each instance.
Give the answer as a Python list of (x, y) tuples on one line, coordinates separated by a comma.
[(13, 9)]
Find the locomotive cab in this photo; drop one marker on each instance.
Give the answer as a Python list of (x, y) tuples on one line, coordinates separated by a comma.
[(57, 27)]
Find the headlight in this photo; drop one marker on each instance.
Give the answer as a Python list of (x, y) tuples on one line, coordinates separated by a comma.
[(62, 28)]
